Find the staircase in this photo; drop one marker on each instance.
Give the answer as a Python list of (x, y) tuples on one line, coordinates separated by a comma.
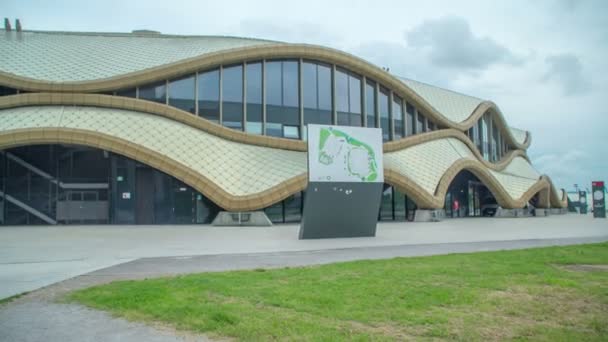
[(27, 208)]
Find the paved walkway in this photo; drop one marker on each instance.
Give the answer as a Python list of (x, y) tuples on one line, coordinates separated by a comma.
[(33, 257), (39, 317)]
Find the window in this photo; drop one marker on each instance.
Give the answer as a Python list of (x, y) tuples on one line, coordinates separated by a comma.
[(316, 90), (7, 91), (254, 98), (474, 135), (494, 142), (232, 97), (209, 95), (480, 136), (282, 95), (384, 113), (370, 103), (397, 110), (410, 127), (291, 132), (132, 92), (156, 92), (348, 98), (431, 125), (420, 123), (386, 204), (485, 129), (399, 205), (293, 207), (181, 94)]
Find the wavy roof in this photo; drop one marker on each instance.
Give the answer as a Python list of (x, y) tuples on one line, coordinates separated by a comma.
[(240, 176), (455, 106), (60, 58), (71, 57)]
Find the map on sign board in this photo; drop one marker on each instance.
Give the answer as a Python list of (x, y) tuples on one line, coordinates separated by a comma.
[(344, 154)]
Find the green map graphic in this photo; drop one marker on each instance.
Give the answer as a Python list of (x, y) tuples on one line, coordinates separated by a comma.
[(358, 157)]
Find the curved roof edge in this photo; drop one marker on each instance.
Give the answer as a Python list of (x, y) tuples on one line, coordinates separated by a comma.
[(66, 128)]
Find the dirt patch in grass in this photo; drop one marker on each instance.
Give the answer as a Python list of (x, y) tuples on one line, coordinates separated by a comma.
[(519, 309), (586, 268)]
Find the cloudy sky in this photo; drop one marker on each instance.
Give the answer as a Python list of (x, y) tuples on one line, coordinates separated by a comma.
[(544, 63)]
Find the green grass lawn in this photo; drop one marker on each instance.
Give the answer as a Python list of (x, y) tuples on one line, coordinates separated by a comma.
[(534, 294)]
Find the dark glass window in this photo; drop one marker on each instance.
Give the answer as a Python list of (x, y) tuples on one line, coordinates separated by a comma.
[(293, 208), (254, 98), (410, 126), (400, 207), (131, 92), (275, 212), (432, 126), (494, 141), (282, 95), (386, 204), (209, 95), (232, 97), (420, 123), (474, 135), (316, 90), (7, 91), (348, 98), (397, 110), (156, 92), (370, 103), (383, 107), (485, 131), (181, 94), (479, 136)]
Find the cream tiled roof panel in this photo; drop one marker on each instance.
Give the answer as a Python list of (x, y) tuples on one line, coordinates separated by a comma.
[(515, 186), (70, 57), (520, 167), (237, 168), (454, 106), (426, 163), (519, 134)]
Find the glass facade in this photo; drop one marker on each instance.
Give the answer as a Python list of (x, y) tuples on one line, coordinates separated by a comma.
[(156, 92), (209, 95), (288, 210), (410, 118), (397, 114), (7, 91), (383, 108), (79, 185), (254, 98), (131, 92), (371, 104), (468, 197), (232, 97), (348, 98), (182, 95), (282, 98), (317, 93), (494, 151), (485, 136), (395, 206), (420, 123)]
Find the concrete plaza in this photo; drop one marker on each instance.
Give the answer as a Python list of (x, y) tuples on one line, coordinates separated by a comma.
[(33, 257)]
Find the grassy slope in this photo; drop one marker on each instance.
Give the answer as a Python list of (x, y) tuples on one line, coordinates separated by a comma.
[(497, 295)]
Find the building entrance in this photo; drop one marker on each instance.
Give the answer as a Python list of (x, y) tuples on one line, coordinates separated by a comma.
[(468, 197)]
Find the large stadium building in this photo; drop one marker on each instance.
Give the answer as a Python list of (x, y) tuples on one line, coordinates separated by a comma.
[(147, 128)]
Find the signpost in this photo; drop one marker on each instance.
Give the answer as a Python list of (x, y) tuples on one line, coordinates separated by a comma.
[(345, 179), (599, 199), (582, 200)]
